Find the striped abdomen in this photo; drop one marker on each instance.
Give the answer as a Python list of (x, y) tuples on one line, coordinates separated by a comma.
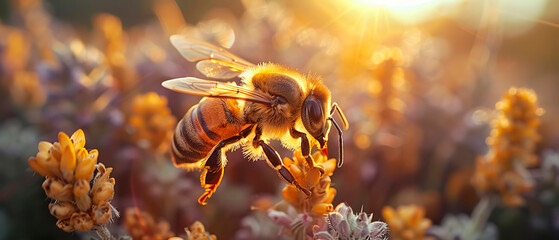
[(202, 127)]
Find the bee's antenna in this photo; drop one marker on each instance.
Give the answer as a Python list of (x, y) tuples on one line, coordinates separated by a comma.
[(340, 142), (336, 107)]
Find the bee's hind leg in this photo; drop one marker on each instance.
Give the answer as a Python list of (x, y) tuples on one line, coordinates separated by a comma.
[(213, 169), (306, 149)]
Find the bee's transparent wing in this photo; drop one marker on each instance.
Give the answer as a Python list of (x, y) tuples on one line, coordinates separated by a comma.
[(213, 61), (208, 88)]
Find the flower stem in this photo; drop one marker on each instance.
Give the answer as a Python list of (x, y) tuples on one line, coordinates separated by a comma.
[(481, 212), (103, 232)]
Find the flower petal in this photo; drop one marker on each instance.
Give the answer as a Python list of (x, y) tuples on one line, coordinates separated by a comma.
[(78, 138)]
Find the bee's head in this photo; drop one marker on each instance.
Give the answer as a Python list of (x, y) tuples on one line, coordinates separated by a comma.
[(316, 115), (315, 119)]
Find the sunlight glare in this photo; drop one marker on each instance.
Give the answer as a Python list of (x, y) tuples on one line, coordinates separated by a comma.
[(408, 11), (394, 4)]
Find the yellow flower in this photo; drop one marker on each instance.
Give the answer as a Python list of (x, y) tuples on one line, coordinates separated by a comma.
[(406, 222), (322, 195), (512, 142), (80, 204), (151, 122)]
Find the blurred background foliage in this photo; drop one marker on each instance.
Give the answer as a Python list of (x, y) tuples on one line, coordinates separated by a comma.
[(418, 81)]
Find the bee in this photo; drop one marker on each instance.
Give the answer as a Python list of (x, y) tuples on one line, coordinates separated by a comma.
[(272, 102)]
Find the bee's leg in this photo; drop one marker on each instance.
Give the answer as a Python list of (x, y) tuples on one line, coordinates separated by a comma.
[(305, 148), (213, 170), (275, 162), (257, 136)]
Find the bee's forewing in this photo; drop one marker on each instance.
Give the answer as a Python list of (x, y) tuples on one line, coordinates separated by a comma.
[(213, 61), (208, 88)]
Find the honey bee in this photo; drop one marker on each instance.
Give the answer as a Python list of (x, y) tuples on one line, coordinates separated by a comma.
[(272, 102)]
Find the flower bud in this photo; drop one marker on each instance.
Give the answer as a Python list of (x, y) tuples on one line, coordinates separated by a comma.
[(86, 165), (44, 146), (78, 138), (68, 160), (49, 162), (56, 189), (322, 208), (34, 164), (313, 176), (197, 227), (81, 194), (56, 151), (101, 214), (62, 210), (329, 166), (82, 221), (65, 225), (103, 193), (290, 194)]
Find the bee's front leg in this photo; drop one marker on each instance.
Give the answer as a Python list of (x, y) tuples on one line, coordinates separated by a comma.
[(213, 169), (305, 149), (275, 162)]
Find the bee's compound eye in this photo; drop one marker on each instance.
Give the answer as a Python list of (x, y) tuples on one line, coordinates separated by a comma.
[(313, 118), (315, 111)]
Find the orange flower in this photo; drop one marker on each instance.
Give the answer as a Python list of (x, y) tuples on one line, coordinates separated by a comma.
[(151, 122), (68, 168), (513, 138), (406, 222), (322, 195)]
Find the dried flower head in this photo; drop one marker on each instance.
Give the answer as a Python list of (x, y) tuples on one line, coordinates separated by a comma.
[(406, 222), (79, 203), (513, 138), (344, 224), (322, 194), (141, 225), (151, 122)]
